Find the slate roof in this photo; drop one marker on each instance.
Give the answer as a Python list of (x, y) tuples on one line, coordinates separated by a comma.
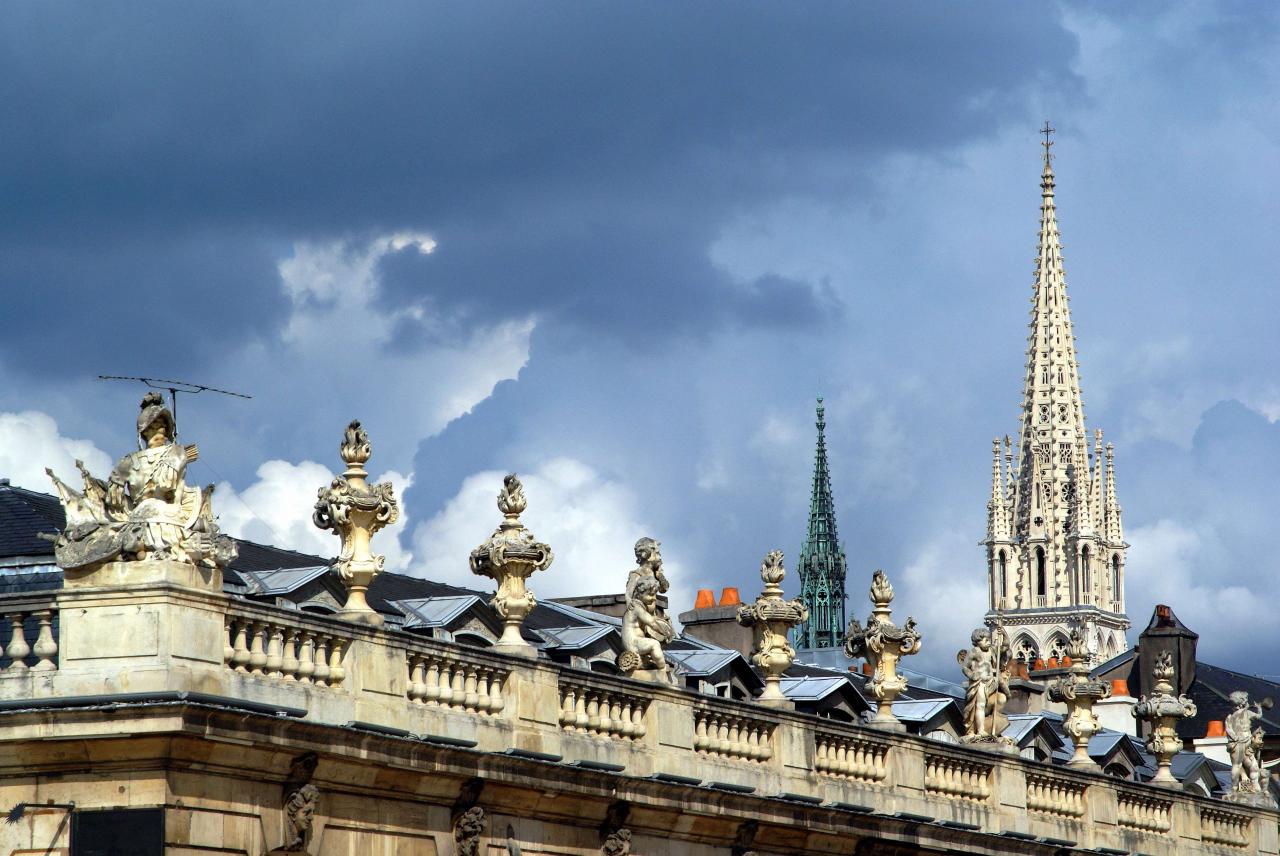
[(23, 514)]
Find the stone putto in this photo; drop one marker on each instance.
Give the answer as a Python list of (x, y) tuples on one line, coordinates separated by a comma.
[(883, 644), (644, 633), (509, 556), (1078, 692), (986, 670), (1162, 710), (771, 619), (145, 510), (355, 510), (1248, 781)]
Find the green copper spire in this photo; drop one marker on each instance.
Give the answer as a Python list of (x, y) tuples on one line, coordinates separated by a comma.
[(822, 563)]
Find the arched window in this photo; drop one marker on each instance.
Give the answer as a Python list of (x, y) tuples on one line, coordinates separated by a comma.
[(1084, 575), (1040, 573), (1115, 577), (1004, 575)]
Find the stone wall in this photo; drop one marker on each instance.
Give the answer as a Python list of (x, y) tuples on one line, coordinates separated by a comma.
[(201, 704)]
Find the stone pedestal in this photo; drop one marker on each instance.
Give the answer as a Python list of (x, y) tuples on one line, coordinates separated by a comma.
[(144, 573)]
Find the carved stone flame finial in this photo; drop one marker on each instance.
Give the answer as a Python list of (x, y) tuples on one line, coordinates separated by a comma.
[(509, 556), (1162, 710), (771, 619), (354, 510), (883, 644), (1079, 692)]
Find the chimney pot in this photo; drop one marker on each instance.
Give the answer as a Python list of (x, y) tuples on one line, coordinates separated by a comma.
[(730, 597), (1053, 662), (704, 599), (1037, 665), (1120, 687), (1065, 661), (866, 669), (1217, 728)]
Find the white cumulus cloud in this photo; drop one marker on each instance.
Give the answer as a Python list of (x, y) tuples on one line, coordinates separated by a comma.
[(590, 521), (276, 510), (31, 441)]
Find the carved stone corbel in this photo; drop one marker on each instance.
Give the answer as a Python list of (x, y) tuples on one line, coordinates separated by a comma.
[(300, 799), (615, 838)]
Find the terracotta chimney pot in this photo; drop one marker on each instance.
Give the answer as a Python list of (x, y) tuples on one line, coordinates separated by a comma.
[(1217, 728), (1120, 687), (730, 597), (1053, 663), (866, 669), (1066, 661), (1038, 664), (705, 598)]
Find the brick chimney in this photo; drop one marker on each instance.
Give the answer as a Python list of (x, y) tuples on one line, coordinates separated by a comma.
[(717, 623)]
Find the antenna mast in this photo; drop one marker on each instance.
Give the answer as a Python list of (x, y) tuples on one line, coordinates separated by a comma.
[(174, 387)]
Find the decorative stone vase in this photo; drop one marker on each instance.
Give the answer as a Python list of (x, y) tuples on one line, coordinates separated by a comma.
[(509, 557), (771, 618), (883, 644), (354, 510), (1078, 692), (1162, 710)]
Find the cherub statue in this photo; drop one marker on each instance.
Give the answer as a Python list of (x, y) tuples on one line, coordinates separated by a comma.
[(145, 509), (1244, 742), (985, 668), (644, 631), (648, 566)]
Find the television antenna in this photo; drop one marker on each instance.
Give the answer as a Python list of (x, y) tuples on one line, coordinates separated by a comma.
[(174, 387)]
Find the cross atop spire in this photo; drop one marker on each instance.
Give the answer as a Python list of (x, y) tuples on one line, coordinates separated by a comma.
[(822, 562), (1048, 131)]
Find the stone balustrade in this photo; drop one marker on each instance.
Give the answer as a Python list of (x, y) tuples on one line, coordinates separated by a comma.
[(27, 636), (858, 759), (282, 646), (454, 681), (957, 777), (1229, 828), (325, 671), (602, 711), (1143, 812), (732, 735), (1056, 795)]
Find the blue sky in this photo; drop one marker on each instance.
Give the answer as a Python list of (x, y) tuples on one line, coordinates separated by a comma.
[(621, 248)]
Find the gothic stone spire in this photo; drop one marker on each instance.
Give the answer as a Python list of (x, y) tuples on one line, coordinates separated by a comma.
[(822, 561), (1059, 564)]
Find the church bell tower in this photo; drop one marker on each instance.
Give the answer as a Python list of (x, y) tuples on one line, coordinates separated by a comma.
[(1055, 546)]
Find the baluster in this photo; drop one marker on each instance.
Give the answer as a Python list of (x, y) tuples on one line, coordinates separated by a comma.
[(258, 653), (228, 641), (737, 745), (46, 647), (446, 683), (241, 657), (275, 650), (593, 712), (18, 648), (459, 684), (484, 704), (637, 721), (616, 722), (321, 674), (723, 745), (417, 683), (628, 727), (289, 661), (606, 720), (700, 740), (306, 657), (496, 701), (431, 684), (337, 674), (470, 699), (566, 708)]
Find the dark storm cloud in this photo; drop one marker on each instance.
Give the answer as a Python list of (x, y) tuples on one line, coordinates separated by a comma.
[(594, 153)]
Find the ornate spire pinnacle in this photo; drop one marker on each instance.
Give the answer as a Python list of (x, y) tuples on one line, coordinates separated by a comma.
[(997, 507), (822, 564), (1061, 536), (1113, 527)]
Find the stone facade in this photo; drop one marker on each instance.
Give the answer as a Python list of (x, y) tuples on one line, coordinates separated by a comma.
[(252, 729)]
